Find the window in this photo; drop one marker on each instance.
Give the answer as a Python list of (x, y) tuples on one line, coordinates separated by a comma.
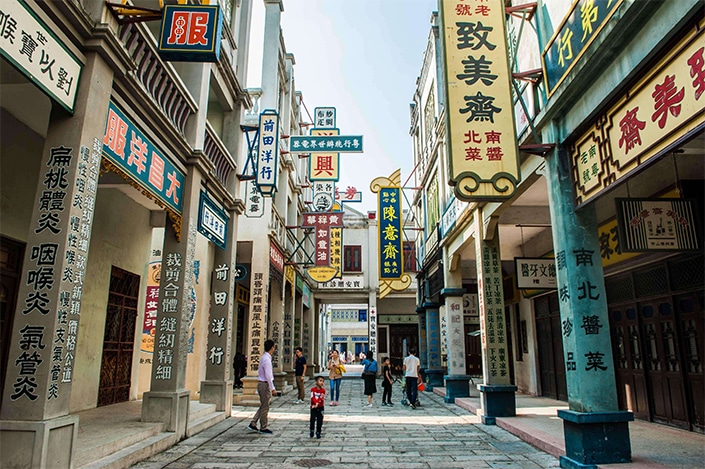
[(353, 259), (410, 256)]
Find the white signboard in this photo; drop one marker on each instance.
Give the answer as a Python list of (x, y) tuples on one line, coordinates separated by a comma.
[(32, 47), (535, 273), (325, 117)]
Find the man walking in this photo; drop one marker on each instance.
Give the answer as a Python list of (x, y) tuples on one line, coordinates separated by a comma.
[(412, 373), (299, 373), (265, 389)]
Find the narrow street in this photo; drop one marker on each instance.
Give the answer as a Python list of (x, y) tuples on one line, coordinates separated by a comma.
[(435, 435)]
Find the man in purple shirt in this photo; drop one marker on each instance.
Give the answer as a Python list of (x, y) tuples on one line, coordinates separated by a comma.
[(265, 389)]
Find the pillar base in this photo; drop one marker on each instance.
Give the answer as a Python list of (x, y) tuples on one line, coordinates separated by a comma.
[(249, 397), (456, 386), (497, 401), (44, 444), (169, 407), (593, 438), (281, 383), (433, 378), (219, 393)]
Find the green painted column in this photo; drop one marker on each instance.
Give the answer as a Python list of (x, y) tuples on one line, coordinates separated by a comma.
[(596, 432)]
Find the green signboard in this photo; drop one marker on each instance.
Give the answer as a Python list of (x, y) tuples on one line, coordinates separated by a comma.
[(325, 143)]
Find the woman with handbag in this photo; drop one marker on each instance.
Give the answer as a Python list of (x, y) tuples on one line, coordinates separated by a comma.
[(336, 370), (369, 374)]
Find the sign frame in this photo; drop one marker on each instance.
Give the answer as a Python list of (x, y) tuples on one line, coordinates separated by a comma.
[(527, 282), (210, 52)]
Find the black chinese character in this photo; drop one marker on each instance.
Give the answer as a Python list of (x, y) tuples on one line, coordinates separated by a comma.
[(583, 256), (591, 324), (567, 327), (477, 69), (594, 361), (586, 289), (468, 33), (480, 108)]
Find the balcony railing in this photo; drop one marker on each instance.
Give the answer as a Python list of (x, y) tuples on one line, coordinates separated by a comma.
[(277, 226), (158, 79), (218, 155)]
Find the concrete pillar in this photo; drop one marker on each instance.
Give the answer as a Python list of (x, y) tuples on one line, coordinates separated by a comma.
[(497, 391), (217, 388), (457, 382), (308, 323), (168, 399), (36, 429), (596, 431), (288, 343), (423, 350), (434, 372), (276, 325), (372, 324)]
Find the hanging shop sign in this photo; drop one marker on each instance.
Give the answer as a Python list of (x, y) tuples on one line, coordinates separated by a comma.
[(325, 143), (242, 294), (663, 107), (212, 221), (138, 159), (391, 264), (482, 148), (471, 307), (324, 166), (299, 284), (322, 222), (323, 195), (535, 273), (657, 225), (351, 194), (254, 201), (268, 153), (346, 282), (290, 274), (239, 272), (191, 33), (36, 51), (324, 117), (579, 28), (276, 258), (306, 296)]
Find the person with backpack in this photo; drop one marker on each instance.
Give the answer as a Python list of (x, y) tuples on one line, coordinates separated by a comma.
[(369, 374)]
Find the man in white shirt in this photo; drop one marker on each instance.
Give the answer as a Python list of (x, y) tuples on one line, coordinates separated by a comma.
[(265, 389), (412, 373)]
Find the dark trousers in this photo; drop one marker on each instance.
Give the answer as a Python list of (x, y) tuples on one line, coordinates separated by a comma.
[(411, 389), (317, 418), (387, 392)]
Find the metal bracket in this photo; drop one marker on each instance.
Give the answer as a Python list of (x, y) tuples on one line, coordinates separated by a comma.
[(125, 14), (251, 152)]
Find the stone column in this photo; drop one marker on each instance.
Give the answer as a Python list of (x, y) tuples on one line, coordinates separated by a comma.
[(308, 323), (434, 372), (36, 429), (372, 324), (217, 388), (288, 343), (497, 391), (423, 350), (457, 382), (276, 324), (596, 431), (168, 400)]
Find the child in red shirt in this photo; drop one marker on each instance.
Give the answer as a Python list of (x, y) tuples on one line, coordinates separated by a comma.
[(318, 399)]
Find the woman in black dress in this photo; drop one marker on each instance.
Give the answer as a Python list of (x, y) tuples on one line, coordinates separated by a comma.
[(370, 376)]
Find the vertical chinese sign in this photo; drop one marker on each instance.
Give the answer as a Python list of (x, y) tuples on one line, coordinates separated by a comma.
[(321, 223), (391, 264), (480, 115), (268, 153)]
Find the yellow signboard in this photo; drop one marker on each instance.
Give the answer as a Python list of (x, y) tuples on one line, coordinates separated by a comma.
[(480, 114), (322, 274), (324, 166)]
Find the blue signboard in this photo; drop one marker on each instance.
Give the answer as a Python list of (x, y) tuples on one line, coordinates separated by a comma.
[(391, 264), (128, 149), (212, 221), (580, 27), (268, 152), (191, 33)]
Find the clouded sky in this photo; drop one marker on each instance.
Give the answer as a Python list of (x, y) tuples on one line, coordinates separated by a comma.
[(361, 57)]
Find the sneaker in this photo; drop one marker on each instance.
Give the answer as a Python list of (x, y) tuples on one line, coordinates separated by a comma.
[(252, 428), (384, 404), (369, 405), (412, 406), (266, 431), (298, 401), (310, 434), (318, 435), (390, 404)]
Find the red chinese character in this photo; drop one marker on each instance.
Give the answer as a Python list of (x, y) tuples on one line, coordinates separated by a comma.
[(630, 126), (472, 154), (324, 164), (483, 10), (494, 153), (472, 136), (666, 99), (462, 10), (115, 134), (350, 193), (156, 171), (171, 192), (697, 71), (493, 137), (189, 28)]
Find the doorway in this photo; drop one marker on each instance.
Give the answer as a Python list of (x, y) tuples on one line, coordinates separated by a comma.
[(119, 338), (11, 254), (550, 344)]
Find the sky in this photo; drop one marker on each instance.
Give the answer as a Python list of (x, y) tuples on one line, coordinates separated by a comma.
[(363, 58)]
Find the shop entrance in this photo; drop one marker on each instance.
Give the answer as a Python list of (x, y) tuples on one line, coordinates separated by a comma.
[(658, 342), (473, 350), (550, 344), (119, 338), (11, 253)]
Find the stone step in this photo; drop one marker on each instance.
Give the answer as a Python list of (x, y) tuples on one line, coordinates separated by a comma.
[(117, 440), (206, 421), (134, 453), (197, 410)]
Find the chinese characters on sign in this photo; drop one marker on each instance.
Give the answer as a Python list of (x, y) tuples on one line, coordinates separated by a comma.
[(191, 33), (131, 152), (324, 166), (168, 321), (258, 320), (480, 116), (32, 47), (351, 194), (391, 264), (491, 300), (212, 221), (254, 202), (268, 152), (151, 302), (325, 143), (372, 330), (580, 27), (322, 222), (535, 273), (324, 117), (347, 282), (218, 330)]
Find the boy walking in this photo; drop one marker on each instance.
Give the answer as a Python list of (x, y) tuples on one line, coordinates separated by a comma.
[(387, 381), (318, 399)]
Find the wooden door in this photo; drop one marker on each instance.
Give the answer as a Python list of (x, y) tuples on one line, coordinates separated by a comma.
[(11, 254), (550, 347), (473, 351), (663, 362), (691, 318), (119, 338)]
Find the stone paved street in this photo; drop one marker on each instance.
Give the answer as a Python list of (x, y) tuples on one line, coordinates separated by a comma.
[(435, 435)]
